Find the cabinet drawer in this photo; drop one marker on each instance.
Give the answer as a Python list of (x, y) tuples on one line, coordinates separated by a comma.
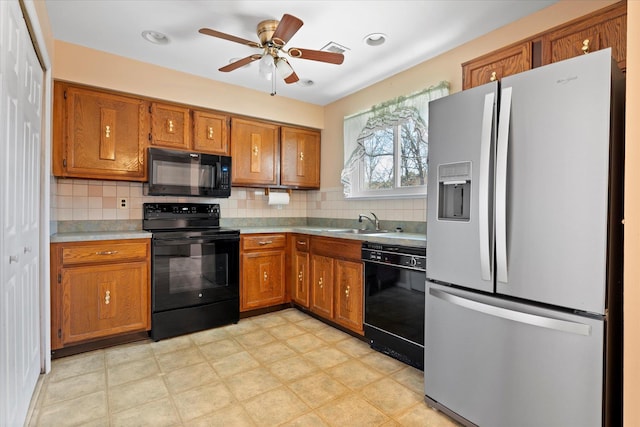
[(104, 252), (302, 243), (337, 248), (263, 241)]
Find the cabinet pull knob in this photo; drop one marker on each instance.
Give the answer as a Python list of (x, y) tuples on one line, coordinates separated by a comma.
[(107, 131), (255, 150), (585, 46), (107, 297), (300, 275), (302, 243), (302, 155), (265, 242), (170, 126), (320, 282), (265, 276), (106, 252), (210, 132), (13, 258), (27, 249), (493, 77), (347, 291)]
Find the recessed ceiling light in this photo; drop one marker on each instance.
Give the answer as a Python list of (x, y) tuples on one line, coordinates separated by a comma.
[(155, 37), (375, 39)]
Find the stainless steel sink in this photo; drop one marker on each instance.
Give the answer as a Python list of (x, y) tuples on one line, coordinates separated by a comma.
[(359, 231)]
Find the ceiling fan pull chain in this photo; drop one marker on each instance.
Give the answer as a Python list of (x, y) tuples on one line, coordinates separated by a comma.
[(273, 79)]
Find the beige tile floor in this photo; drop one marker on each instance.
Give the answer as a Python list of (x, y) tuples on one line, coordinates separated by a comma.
[(284, 368)]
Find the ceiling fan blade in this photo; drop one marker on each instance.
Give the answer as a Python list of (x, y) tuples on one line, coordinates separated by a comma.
[(240, 63), (225, 36), (316, 55), (288, 26), (292, 78)]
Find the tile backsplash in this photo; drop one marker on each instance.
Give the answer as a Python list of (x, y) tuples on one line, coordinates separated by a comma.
[(93, 200)]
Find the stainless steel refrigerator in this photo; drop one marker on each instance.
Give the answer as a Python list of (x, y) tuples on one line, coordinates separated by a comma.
[(524, 248)]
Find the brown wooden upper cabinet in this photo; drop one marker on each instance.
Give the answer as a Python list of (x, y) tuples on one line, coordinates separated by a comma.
[(170, 126), (254, 150), (211, 133), (99, 134), (601, 29), (267, 155), (496, 65), (179, 127), (299, 158)]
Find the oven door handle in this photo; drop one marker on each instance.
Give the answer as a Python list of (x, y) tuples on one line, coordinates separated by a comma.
[(191, 240)]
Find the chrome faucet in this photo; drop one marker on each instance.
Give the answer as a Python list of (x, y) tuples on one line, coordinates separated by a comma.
[(374, 221)]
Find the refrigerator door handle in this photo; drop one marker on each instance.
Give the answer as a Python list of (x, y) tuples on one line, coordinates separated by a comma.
[(501, 185), (516, 316), (483, 186)]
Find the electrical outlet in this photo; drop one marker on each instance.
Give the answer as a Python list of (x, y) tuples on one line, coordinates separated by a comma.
[(123, 203)]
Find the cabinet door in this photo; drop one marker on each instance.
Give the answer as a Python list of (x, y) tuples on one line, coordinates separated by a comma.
[(322, 285), (300, 158), (349, 297), (170, 126), (300, 282), (103, 300), (99, 135), (262, 279), (254, 152), (497, 65), (210, 133), (607, 28)]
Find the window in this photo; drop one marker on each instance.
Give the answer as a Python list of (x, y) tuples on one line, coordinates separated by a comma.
[(386, 148)]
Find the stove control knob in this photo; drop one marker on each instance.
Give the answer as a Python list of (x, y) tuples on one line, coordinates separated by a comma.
[(413, 262)]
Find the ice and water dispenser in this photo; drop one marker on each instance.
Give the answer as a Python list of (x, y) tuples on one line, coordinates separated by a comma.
[(454, 191)]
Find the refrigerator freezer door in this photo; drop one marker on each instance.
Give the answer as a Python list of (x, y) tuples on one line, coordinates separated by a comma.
[(556, 186), (460, 188), (499, 363)]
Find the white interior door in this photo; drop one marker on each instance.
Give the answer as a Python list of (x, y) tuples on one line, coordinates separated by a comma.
[(21, 79)]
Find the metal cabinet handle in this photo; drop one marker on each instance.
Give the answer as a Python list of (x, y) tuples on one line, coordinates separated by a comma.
[(13, 258), (302, 155), (302, 243), (265, 242), (170, 126), (265, 276), (300, 275), (255, 150), (107, 297), (494, 76), (27, 249), (107, 131), (106, 252), (585, 46), (320, 283), (347, 291), (210, 132)]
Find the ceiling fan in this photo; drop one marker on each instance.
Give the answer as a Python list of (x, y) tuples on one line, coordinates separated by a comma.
[(273, 36)]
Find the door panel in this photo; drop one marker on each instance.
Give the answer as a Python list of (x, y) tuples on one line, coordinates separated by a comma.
[(21, 80), (499, 363), (557, 191), (455, 137)]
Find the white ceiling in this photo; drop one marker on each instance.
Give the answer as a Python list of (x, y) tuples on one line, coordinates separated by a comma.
[(416, 31)]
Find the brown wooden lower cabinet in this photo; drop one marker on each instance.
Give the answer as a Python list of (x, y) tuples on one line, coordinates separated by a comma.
[(299, 268), (337, 281), (99, 289), (262, 270)]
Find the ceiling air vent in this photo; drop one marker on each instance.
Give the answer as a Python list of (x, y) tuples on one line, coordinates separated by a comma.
[(334, 47)]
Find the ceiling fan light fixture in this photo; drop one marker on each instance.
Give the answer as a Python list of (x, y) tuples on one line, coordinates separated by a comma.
[(375, 39), (265, 66), (155, 37), (283, 68)]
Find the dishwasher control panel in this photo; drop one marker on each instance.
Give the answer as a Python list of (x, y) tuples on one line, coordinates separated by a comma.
[(402, 256)]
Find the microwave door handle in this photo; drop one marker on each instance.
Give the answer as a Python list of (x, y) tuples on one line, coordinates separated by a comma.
[(218, 176)]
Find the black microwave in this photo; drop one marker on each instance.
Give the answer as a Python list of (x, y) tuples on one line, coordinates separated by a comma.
[(181, 173)]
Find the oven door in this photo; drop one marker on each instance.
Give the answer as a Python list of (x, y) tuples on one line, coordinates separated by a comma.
[(394, 301), (191, 269)]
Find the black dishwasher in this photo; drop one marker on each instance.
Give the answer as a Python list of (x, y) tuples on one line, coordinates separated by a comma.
[(394, 300)]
